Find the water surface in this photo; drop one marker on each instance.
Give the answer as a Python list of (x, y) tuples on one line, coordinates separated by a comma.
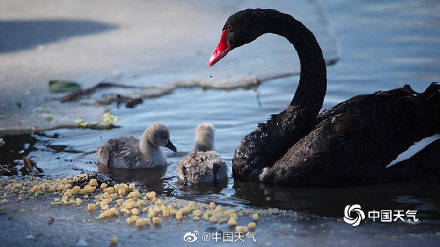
[(383, 44)]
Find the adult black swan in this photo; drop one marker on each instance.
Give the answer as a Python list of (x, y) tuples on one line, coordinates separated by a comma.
[(355, 142)]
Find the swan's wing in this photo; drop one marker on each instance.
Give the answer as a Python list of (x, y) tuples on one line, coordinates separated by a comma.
[(217, 164), (121, 152), (201, 167), (354, 141)]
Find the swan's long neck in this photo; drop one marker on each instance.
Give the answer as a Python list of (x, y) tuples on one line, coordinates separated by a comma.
[(312, 85), (268, 143)]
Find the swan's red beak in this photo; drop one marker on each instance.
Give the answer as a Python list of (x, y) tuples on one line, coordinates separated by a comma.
[(221, 50)]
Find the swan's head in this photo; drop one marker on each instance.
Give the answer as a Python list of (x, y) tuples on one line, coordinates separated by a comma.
[(204, 137), (157, 135), (242, 28)]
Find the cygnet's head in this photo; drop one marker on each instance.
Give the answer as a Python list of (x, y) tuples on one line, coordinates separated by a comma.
[(157, 135), (204, 137)]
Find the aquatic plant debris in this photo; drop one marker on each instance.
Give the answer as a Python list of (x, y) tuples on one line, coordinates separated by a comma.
[(62, 86), (147, 92), (108, 119), (127, 203), (82, 92)]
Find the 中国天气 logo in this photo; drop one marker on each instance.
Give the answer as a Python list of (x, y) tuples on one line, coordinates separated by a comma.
[(353, 210)]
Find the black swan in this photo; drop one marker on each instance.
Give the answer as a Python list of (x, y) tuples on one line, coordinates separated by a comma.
[(349, 144), (204, 165), (130, 153)]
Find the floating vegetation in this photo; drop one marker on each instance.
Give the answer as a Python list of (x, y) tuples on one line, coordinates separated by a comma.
[(62, 86), (44, 110), (108, 118), (82, 92)]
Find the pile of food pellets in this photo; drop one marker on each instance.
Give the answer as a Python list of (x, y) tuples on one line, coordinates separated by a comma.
[(124, 202)]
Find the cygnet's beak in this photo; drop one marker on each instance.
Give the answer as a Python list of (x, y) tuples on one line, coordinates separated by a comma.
[(171, 146)]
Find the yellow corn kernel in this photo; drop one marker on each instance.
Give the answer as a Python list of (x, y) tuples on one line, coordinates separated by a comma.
[(166, 212), (91, 207), (131, 186), (103, 185), (120, 201), (252, 226), (213, 219), (218, 209), (135, 211), (68, 194), (134, 194), (205, 216), (147, 221), (113, 211), (172, 211), (240, 229), (121, 192), (139, 223), (255, 217), (93, 182), (129, 204), (114, 240), (157, 210), (78, 201), (211, 205), (91, 189), (232, 222), (197, 213), (109, 190), (151, 195), (179, 215), (141, 203), (76, 189), (157, 220), (107, 195)]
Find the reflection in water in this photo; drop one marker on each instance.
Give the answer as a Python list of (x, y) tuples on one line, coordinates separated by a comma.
[(14, 151), (202, 189), (330, 202), (150, 179)]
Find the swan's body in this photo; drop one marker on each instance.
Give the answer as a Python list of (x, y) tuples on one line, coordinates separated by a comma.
[(130, 153), (347, 145), (204, 165)]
